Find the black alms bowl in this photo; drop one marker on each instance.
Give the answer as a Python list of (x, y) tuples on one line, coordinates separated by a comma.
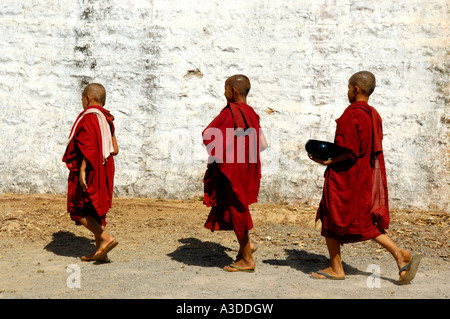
[(321, 149)]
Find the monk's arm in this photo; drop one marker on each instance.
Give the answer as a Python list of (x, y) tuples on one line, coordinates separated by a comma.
[(82, 174), (262, 141), (338, 158), (116, 147)]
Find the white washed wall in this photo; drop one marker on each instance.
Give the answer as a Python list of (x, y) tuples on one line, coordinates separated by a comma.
[(164, 63)]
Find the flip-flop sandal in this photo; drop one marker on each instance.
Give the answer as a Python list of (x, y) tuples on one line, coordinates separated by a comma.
[(104, 251), (240, 269), (103, 261), (411, 270), (91, 258), (87, 258), (327, 276)]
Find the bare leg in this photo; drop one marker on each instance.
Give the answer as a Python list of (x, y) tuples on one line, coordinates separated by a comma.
[(336, 269), (246, 261), (401, 256), (239, 255), (102, 238)]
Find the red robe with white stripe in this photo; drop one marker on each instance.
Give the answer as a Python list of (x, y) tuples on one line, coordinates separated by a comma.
[(87, 142)]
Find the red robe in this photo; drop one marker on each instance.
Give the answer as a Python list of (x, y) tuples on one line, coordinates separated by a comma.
[(232, 182), (87, 142), (354, 205)]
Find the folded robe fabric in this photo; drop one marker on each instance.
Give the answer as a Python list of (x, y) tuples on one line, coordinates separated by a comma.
[(354, 205), (107, 145), (232, 180), (87, 140)]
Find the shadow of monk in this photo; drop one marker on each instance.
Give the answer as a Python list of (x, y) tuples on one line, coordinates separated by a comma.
[(67, 244), (195, 252)]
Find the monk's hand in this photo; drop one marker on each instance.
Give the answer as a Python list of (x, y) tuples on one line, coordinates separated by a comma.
[(82, 174), (82, 180), (317, 160)]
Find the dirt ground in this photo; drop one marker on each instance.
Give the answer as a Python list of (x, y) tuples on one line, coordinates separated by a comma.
[(165, 253)]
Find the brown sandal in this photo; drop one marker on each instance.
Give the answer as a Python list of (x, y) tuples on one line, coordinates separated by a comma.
[(91, 258), (103, 251)]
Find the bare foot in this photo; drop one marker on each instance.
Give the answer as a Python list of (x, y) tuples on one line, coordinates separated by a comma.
[(403, 258), (234, 268), (240, 266), (329, 271), (104, 241), (105, 246), (91, 258)]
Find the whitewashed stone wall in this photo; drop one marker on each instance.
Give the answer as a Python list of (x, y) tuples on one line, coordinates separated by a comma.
[(164, 63)]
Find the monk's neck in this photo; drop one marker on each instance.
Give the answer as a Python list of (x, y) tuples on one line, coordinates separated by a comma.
[(241, 100), (362, 98), (93, 105)]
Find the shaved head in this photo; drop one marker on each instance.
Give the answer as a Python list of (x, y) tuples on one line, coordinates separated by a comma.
[(365, 80), (95, 91), (240, 82)]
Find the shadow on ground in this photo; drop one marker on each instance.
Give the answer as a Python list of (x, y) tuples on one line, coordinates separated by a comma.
[(67, 244), (195, 252), (308, 262)]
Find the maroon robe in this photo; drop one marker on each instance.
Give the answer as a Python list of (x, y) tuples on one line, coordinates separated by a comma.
[(354, 205), (87, 142), (232, 182)]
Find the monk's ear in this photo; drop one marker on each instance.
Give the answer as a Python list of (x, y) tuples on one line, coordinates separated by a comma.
[(356, 90)]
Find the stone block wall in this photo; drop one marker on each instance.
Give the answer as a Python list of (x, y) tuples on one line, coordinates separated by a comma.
[(164, 64)]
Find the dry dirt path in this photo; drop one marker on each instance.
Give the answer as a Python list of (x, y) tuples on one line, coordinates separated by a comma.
[(165, 253)]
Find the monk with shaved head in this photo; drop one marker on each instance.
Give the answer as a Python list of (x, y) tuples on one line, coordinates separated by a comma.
[(89, 158), (232, 180), (354, 205), (240, 83), (96, 92), (364, 81)]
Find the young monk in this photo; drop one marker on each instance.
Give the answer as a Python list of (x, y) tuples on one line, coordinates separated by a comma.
[(232, 179), (354, 205), (88, 156)]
